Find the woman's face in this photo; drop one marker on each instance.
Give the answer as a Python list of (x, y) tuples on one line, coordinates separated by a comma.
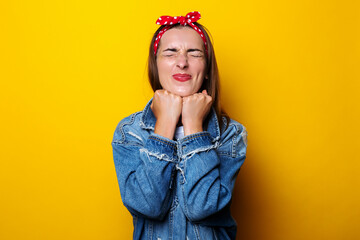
[(181, 61)]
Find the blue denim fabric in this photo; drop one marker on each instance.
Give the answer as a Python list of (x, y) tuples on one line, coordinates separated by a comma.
[(178, 189)]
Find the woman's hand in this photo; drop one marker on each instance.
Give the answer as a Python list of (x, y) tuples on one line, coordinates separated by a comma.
[(167, 110), (194, 110)]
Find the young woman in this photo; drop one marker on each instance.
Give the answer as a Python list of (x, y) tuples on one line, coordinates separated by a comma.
[(177, 160)]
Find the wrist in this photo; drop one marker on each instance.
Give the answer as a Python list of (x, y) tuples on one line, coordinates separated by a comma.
[(165, 128), (192, 128)]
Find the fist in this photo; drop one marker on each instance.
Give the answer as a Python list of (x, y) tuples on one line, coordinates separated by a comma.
[(195, 108), (166, 105), (167, 110)]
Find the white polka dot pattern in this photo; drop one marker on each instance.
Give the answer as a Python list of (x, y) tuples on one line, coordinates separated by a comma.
[(168, 21)]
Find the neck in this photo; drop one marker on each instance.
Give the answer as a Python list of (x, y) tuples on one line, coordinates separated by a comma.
[(179, 124)]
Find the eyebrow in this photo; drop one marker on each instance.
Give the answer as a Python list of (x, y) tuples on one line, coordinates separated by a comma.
[(170, 49)]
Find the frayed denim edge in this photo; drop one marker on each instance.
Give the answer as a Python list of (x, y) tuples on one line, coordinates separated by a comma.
[(202, 149), (160, 156)]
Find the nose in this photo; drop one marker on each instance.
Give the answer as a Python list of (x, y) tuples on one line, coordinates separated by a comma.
[(182, 61)]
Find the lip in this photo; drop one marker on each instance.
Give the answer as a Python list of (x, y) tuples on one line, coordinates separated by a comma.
[(181, 77)]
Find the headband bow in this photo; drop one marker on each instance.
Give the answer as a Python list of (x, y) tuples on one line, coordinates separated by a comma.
[(189, 18), (168, 21)]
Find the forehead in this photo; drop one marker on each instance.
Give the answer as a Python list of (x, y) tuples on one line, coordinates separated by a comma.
[(181, 37)]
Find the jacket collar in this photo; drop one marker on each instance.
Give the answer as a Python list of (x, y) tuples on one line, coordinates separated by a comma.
[(148, 121)]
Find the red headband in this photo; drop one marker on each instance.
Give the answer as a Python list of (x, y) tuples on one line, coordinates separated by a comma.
[(168, 21)]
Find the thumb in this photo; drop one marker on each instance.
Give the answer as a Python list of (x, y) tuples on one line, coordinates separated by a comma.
[(204, 92)]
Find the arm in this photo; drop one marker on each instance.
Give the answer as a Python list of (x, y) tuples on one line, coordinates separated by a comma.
[(210, 171), (144, 171)]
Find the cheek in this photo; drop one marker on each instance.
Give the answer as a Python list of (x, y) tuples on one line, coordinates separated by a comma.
[(200, 66), (163, 67), (163, 71)]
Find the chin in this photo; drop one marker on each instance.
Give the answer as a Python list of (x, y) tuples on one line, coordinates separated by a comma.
[(184, 93)]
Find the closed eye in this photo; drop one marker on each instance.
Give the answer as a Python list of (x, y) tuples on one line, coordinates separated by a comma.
[(169, 52), (194, 52)]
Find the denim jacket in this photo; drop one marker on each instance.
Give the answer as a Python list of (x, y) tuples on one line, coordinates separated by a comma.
[(178, 189)]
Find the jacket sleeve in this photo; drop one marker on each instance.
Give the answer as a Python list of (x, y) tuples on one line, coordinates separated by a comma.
[(144, 169), (210, 170)]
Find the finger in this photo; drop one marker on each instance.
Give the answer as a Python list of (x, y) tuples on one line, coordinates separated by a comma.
[(204, 92)]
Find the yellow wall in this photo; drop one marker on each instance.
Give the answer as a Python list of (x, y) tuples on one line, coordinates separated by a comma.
[(70, 70)]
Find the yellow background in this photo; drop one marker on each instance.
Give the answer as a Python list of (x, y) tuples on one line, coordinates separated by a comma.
[(70, 70)]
